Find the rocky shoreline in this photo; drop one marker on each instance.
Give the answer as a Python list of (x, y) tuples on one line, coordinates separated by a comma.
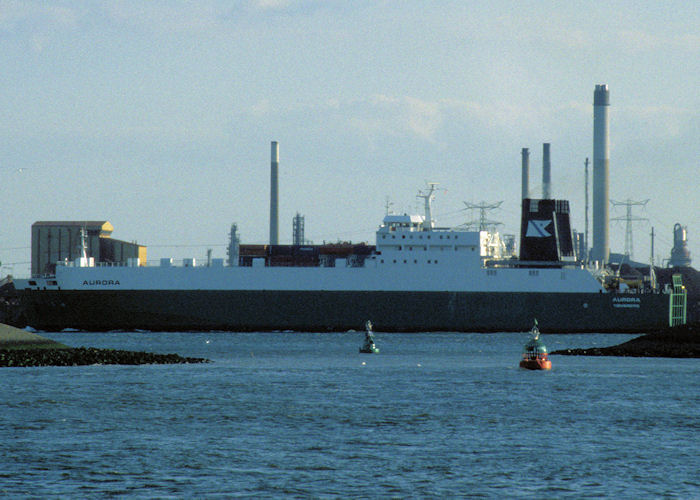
[(87, 356), (22, 348), (676, 342)]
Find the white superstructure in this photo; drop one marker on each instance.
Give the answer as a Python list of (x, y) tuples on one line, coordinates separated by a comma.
[(410, 255)]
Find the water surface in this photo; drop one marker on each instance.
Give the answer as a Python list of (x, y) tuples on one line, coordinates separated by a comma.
[(306, 415)]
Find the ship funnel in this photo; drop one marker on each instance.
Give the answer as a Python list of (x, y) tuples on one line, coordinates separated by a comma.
[(546, 173), (274, 193), (601, 166), (526, 173)]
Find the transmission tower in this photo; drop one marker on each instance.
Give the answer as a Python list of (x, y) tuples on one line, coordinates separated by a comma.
[(629, 219), (482, 223)]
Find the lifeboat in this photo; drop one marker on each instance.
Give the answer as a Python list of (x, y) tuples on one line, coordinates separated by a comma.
[(535, 355)]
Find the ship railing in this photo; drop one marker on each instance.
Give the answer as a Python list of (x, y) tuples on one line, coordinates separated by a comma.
[(70, 263)]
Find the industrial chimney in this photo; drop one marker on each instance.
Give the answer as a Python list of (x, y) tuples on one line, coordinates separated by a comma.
[(601, 164), (546, 173), (274, 194), (526, 173)]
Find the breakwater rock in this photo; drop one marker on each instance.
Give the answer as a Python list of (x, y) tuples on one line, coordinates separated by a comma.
[(676, 342), (87, 356)]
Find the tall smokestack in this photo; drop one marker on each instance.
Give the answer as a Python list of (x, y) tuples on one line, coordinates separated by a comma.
[(274, 193), (526, 172), (546, 173), (601, 165)]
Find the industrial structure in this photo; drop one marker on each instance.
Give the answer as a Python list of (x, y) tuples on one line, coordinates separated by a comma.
[(680, 255), (61, 241), (525, 153), (233, 249), (546, 172), (601, 166), (298, 230), (274, 193)]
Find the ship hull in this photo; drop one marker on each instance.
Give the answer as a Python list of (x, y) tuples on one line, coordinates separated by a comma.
[(390, 311)]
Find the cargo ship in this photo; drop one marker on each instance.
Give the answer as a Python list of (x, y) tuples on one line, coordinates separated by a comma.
[(417, 277)]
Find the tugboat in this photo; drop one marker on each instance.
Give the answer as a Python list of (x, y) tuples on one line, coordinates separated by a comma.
[(368, 347), (535, 355)]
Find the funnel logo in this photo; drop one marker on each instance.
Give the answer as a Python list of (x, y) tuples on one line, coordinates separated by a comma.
[(538, 229)]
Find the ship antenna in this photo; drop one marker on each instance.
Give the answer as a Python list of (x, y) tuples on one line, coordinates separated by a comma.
[(387, 206)]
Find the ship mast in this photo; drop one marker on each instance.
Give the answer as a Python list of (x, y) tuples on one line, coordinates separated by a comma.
[(428, 197)]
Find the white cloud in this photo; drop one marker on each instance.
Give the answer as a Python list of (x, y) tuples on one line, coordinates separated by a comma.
[(38, 22), (645, 41), (390, 115), (272, 4), (169, 17), (665, 121)]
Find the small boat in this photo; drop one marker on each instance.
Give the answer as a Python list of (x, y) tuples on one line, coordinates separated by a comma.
[(368, 347), (535, 355)]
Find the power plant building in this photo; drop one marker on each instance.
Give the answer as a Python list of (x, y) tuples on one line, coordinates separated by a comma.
[(56, 241)]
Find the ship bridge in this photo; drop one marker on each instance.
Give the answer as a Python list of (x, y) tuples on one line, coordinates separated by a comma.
[(405, 222), (403, 239)]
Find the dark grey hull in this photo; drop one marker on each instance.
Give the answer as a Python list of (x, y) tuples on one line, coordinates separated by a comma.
[(195, 310)]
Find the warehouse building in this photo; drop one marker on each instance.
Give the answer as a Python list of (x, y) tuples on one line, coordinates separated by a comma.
[(56, 241)]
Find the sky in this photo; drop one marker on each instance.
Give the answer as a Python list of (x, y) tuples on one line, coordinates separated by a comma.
[(158, 116)]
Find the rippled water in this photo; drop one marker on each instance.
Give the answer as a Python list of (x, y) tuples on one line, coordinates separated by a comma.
[(306, 415)]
